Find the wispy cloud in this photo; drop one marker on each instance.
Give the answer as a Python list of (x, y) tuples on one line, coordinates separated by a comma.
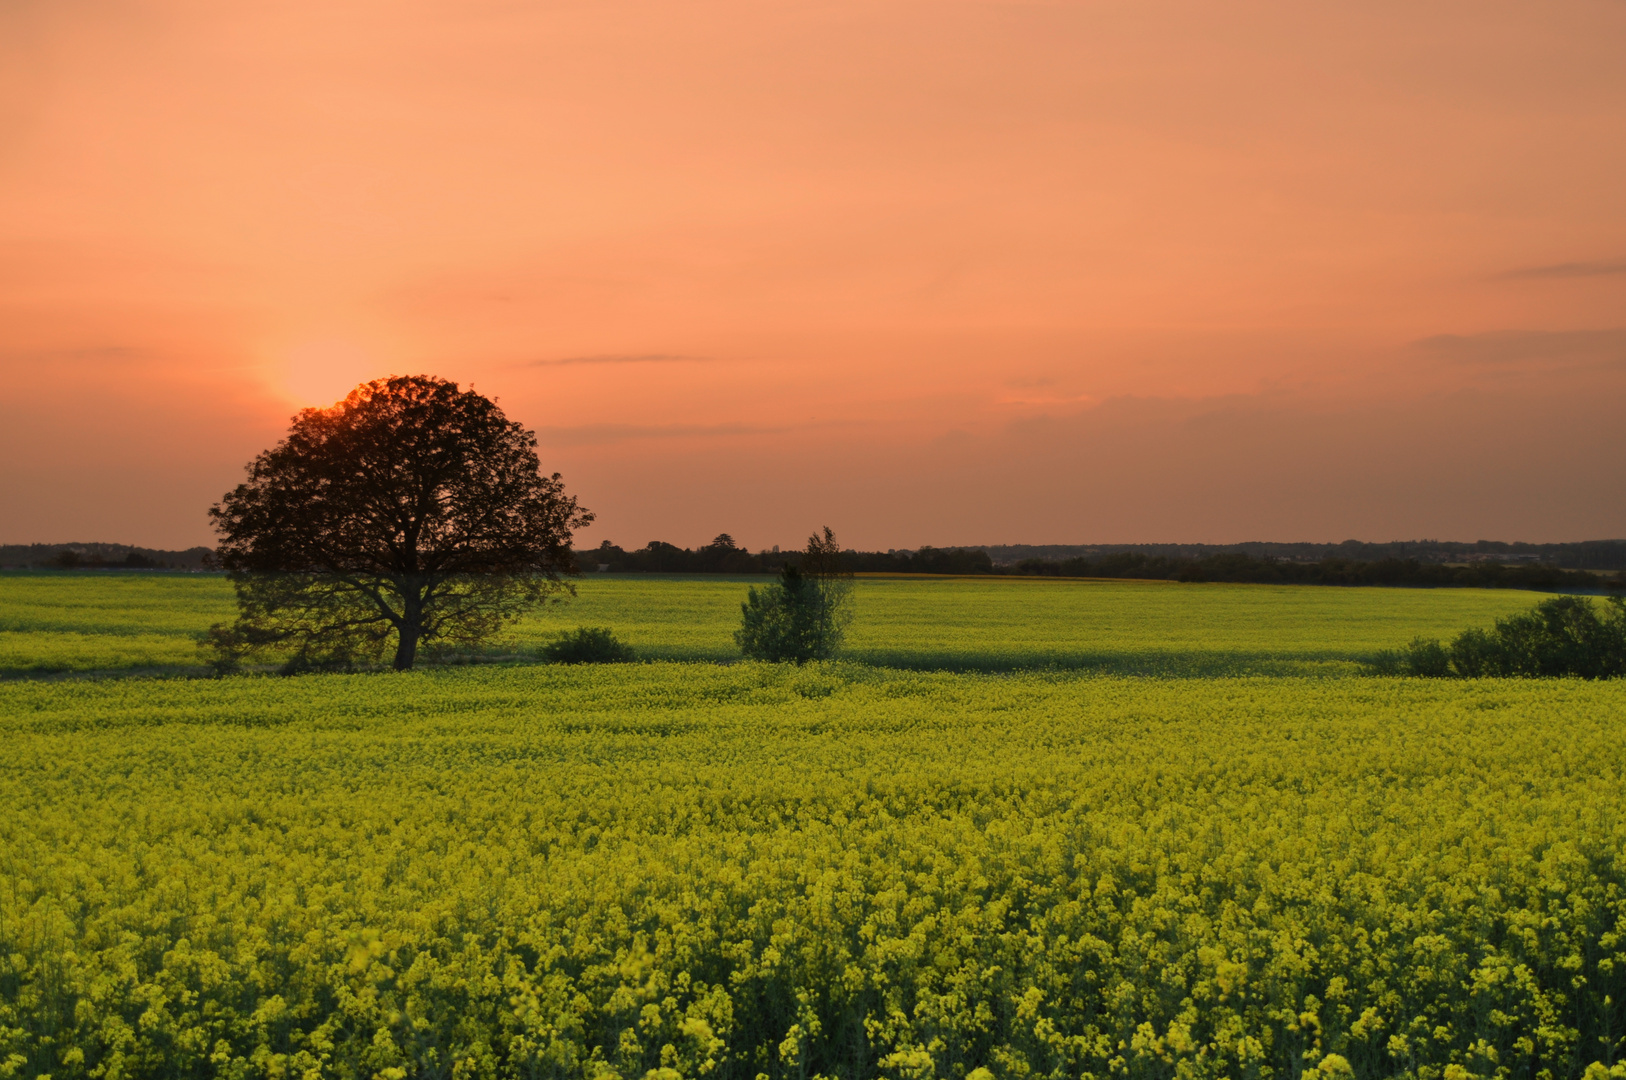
[(1047, 399), (601, 434), (620, 358), (98, 354), (1522, 346), (1604, 268)]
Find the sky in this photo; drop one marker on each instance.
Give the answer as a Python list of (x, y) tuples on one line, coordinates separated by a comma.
[(947, 272)]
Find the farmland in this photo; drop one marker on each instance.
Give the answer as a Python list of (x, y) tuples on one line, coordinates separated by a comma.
[(1037, 829), (150, 622)]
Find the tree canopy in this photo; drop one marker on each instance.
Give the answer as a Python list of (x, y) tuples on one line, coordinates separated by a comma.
[(411, 513)]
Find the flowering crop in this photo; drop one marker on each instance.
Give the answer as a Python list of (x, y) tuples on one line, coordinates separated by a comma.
[(120, 622), (101, 621), (679, 870)]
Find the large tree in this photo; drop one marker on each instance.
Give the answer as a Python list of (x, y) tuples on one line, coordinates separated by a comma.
[(412, 512)]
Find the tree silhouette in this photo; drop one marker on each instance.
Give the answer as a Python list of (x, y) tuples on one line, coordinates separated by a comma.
[(411, 512)]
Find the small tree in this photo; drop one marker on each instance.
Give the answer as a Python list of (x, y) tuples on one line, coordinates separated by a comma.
[(804, 615), (412, 512)]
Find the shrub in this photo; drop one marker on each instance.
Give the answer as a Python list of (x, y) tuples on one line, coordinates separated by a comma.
[(1477, 654), (788, 620), (588, 645), (1424, 657), (804, 615), (1563, 635)]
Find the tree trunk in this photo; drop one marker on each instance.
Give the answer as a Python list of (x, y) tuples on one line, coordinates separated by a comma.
[(410, 627), (407, 649)]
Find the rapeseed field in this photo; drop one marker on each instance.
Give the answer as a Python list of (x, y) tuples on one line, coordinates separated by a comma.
[(686, 869), (65, 622)]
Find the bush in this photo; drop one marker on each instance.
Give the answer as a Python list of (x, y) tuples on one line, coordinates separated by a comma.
[(805, 614), (1477, 654), (1564, 635), (1424, 657), (588, 645), (792, 619)]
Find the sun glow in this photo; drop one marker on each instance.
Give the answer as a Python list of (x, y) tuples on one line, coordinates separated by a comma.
[(320, 372)]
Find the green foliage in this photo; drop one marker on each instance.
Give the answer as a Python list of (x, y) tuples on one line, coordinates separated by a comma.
[(803, 616), (727, 871), (1563, 635), (588, 645), (793, 619), (1423, 658)]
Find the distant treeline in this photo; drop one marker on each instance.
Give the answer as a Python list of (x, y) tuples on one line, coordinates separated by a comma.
[(1478, 565), (1583, 555), (722, 556), (1247, 568), (100, 557)]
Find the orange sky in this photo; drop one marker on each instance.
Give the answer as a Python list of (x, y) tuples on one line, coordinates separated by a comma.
[(946, 272)]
